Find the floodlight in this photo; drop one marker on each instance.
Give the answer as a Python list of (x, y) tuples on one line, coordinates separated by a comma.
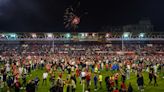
[(107, 35), (126, 34), (82, 35), (93, 34), (141, 35), (34, 35), (68, 35), (49, 35), (12, 35), (3, 35), (86, 34)]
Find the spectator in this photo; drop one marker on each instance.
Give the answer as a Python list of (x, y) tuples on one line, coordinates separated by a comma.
[(30, 87), (95, 81), (36, 82), (17, 86), (130, 88), (123, 86), (155, 79), (116, 90), (24, 81), (9, 83), (100, 80), (45, 75), (150, 77), (140, 82)]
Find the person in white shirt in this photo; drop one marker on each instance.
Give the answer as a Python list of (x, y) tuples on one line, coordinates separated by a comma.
[(7, 67), (24, 71), (20, 70), (83, 75), (128, 71), (42, 64), (45, 75), (155, 68), (72, 68)]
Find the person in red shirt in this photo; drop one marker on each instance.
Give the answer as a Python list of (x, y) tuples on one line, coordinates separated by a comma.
[(98, 66), (116, 90), (107, 67), (88, 78), (77, 72), (123, 86)]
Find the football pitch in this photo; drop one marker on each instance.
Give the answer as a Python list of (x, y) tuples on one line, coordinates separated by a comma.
[(133, 80)]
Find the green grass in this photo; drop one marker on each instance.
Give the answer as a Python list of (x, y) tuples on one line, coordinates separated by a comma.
[(148, 88)]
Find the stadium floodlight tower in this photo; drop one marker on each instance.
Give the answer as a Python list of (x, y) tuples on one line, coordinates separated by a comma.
[(125, 36)]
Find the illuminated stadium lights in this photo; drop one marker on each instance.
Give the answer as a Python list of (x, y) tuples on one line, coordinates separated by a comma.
[(49, 35), (2, 35), (11, 35), (33, 35), (82, 34), (93, 34), (86, 34), (126, 34), (107, 35), (141, 35), (68, 35)]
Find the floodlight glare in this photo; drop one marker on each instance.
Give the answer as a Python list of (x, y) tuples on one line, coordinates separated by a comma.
[(93, 34), (126, 34), (13, 35), (141, 35), (49, 35), (33, 35), (107, 35), (82, 34), (68, 35), (86, 34), (3, 35)]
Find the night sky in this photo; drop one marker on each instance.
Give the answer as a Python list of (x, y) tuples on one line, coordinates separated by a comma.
[(47, 15)]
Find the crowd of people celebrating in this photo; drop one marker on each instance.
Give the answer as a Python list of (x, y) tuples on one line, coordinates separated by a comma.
[(79, 62)]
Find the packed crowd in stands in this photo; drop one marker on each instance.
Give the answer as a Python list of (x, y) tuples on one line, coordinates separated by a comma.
[(78, 61), (79, 49)]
